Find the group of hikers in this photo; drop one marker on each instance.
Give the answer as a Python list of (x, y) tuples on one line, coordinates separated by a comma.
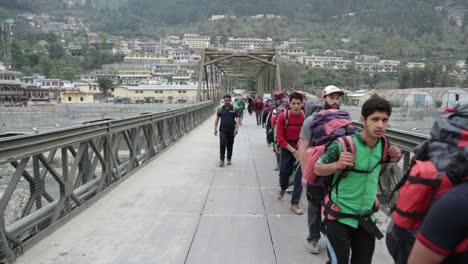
[(318, 149)]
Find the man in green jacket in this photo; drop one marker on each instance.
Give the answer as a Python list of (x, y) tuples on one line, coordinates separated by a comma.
[(355, 193)]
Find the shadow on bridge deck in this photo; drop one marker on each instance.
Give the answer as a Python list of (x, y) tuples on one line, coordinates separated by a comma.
[(182, 208)]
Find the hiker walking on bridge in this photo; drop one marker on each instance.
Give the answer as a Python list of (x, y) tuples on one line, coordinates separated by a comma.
[(355, 163), (227, 129), (315, 190), (289, 126), (258, 108)]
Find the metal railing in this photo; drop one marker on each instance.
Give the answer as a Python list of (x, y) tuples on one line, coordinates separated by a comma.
[(46, 178), (393, 173)]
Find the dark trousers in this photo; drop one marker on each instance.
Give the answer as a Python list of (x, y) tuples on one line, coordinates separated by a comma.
[(342, 239), (258, 115), (288, 165), (399, 242), (315, 194), (226, 140)]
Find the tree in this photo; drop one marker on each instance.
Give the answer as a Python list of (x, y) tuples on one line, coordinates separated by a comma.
[(54, 48), (105, 84), (17, 54)]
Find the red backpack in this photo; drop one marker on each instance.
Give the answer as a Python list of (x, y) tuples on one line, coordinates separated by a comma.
[(438, 165)]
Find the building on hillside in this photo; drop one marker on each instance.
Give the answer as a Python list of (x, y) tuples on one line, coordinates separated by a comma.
[(133, 75), (248, 44), (292, 52), (76, 97), (221, 17), (173, 41), (416, 97), (366, 58), (11, 90), (181, 56), (76, 50), (384, 66), (411, 65), (461, 64), (174, 93), (88, 87), (32, 86), (195, 41), (165, 70), (457, 14), (325, 62), (142, 59)]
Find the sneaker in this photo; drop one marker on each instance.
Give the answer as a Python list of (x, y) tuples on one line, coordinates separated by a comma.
[(312, 247), (290, 189), (229, 162), (281, 194), (221, 163), (296, 209)]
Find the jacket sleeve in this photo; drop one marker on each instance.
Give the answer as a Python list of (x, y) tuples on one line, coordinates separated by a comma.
[(280, 131)]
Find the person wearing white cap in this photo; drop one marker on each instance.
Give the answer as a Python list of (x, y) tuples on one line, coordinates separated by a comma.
[(315, 192), (331, 95)]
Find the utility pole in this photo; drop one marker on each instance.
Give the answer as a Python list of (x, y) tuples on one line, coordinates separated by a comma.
[(5, 42)]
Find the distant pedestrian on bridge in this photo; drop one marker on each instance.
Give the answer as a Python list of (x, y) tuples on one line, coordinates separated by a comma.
[(227, 129), (258, 108), (355, 163), (289, 126), (240, 107)]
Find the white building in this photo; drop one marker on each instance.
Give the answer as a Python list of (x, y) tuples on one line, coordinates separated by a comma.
[(411, 65), (172, 40), (326, 62), (167, 93), (249, 43), (87, 87), (383, 66), (366, 58), (181, 56), (461, 64), (195, 41)]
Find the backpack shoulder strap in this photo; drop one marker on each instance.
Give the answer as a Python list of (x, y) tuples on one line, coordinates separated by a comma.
[(286, 118), (347, 144)]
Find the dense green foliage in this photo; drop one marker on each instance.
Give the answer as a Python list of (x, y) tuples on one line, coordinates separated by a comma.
[(392, 29), (52, 60)]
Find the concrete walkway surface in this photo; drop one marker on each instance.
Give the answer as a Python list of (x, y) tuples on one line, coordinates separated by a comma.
[(183, 208)]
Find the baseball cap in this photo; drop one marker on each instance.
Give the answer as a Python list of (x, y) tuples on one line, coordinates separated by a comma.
[(331, 89)]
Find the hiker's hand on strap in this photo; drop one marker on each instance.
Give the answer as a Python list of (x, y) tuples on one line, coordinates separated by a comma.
[(395, 153), (346, 160)]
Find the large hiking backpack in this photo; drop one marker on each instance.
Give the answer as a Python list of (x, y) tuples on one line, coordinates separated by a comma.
[(326, 126), (439, 164)]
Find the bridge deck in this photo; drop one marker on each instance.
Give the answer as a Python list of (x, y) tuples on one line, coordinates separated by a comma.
[(182, 208)]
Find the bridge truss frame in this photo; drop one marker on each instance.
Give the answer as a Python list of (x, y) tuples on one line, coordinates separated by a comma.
[(53, 176), (219, 70)]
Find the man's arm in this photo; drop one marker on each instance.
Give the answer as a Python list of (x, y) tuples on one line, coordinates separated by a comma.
[(303, 145), (216, 126), (236, 130), (423, 255)]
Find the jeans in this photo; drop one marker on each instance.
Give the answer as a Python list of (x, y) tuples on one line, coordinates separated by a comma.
[(259, 117), (226, 140), (343, 238), (288, 166), (315, 194)]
